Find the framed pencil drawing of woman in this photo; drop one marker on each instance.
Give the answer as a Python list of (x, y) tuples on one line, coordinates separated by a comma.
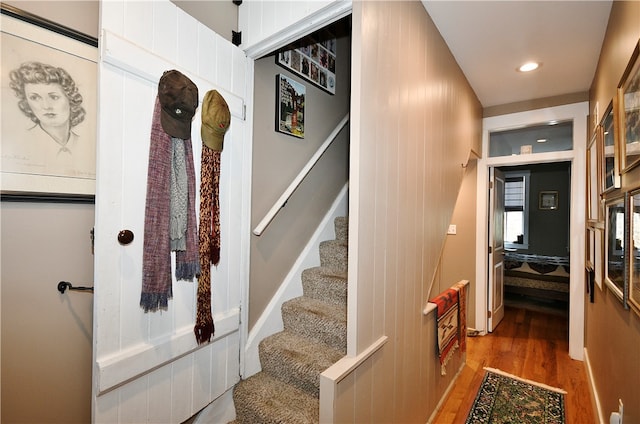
[(49, 97)]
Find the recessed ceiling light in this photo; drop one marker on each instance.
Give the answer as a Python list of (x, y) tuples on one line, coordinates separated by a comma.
[(529, 66), (541, 140)]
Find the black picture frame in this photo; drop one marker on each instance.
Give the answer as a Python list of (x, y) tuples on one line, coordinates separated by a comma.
[(37, 161), (548, 200), (314, 61), (290, 106)]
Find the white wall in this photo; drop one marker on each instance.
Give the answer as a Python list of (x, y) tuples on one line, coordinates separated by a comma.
[(269, 24), (148, 367)]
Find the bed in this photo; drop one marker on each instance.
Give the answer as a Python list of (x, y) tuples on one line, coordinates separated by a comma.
[(540, 276)]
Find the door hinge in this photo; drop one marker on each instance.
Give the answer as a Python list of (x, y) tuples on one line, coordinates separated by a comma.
[(490, 185), (490, 250), (236, 37), (489, 314)]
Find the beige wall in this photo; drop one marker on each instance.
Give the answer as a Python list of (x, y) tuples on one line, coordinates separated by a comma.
[(46, 335), (79, 15), (220, 16), (414, 121), (277, 160), (612, 333), (459, 254)]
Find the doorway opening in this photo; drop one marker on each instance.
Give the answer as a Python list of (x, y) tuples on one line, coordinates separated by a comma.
[(537, 214), (527, 154)]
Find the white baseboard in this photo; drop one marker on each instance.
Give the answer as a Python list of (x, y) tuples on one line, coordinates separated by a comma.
[(270, 322), (592, 389)]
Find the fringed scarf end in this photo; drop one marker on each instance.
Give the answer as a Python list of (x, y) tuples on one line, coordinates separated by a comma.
[(187, 271), (152, 302), (204, 332)]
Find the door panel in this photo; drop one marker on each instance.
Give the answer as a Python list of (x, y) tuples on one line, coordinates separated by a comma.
[(148, 366), (496, 255)]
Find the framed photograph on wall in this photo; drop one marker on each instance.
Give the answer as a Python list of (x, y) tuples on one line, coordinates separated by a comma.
[(610, 166), (594, 203), (629, 116), (598, 262), (290, 101), (634, 251), (616, 250), (548, 200), (315, 61), (49, 101)]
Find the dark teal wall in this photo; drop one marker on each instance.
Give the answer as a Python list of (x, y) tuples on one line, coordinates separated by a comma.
[(548, 229)]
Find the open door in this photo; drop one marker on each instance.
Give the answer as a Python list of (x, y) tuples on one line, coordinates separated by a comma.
[(148, 367), (496, 249)]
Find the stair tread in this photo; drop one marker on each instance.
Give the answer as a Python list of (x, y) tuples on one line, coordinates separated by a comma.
[(318, 307), (339, 275), (314, 338), (265, 399), (297, 360), (317, 320)]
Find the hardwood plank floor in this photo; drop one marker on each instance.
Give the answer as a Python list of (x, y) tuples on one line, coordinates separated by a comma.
[(529, 344)]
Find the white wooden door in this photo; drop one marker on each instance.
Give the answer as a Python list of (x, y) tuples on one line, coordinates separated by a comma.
[(148, 366), (496, 248)]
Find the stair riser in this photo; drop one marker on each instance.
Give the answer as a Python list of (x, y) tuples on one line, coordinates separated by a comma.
[(287, 390), (315, 327), (333, 255), (285, 371), (341, 225), (262, 399), (327, 288)]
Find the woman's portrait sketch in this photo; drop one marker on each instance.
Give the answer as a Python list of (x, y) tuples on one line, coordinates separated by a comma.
[(48, 125)]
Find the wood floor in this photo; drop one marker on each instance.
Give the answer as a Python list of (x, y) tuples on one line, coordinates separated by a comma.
[(531, 345)]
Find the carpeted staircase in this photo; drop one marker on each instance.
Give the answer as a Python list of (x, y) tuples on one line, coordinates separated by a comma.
[(287, 390)]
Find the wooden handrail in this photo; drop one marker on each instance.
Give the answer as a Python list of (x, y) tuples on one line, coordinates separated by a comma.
[(282, 200)]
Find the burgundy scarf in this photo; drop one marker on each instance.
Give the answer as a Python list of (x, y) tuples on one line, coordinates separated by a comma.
[(209, 240), (156, 257)]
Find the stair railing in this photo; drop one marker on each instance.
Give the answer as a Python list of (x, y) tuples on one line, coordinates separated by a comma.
[(284, 198)]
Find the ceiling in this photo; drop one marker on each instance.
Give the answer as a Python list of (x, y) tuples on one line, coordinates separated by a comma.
[(490, 39)]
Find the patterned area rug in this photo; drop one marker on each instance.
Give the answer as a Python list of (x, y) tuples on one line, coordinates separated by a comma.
[(504, 398)]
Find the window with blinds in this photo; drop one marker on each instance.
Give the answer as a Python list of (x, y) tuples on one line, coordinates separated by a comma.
[(516, 214)]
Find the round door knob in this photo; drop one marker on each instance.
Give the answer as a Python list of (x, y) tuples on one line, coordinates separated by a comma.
[(125, 237)]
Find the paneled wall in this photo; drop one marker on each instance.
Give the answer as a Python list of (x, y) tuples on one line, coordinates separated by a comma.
[(414, 122), (148, 367), (263, 20)]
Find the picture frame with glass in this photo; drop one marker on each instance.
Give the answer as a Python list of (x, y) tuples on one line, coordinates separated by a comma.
[(610, 154), (629, 113), (49, 108), (594, 178), (634, 251), (548, 200), (616, 250)]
